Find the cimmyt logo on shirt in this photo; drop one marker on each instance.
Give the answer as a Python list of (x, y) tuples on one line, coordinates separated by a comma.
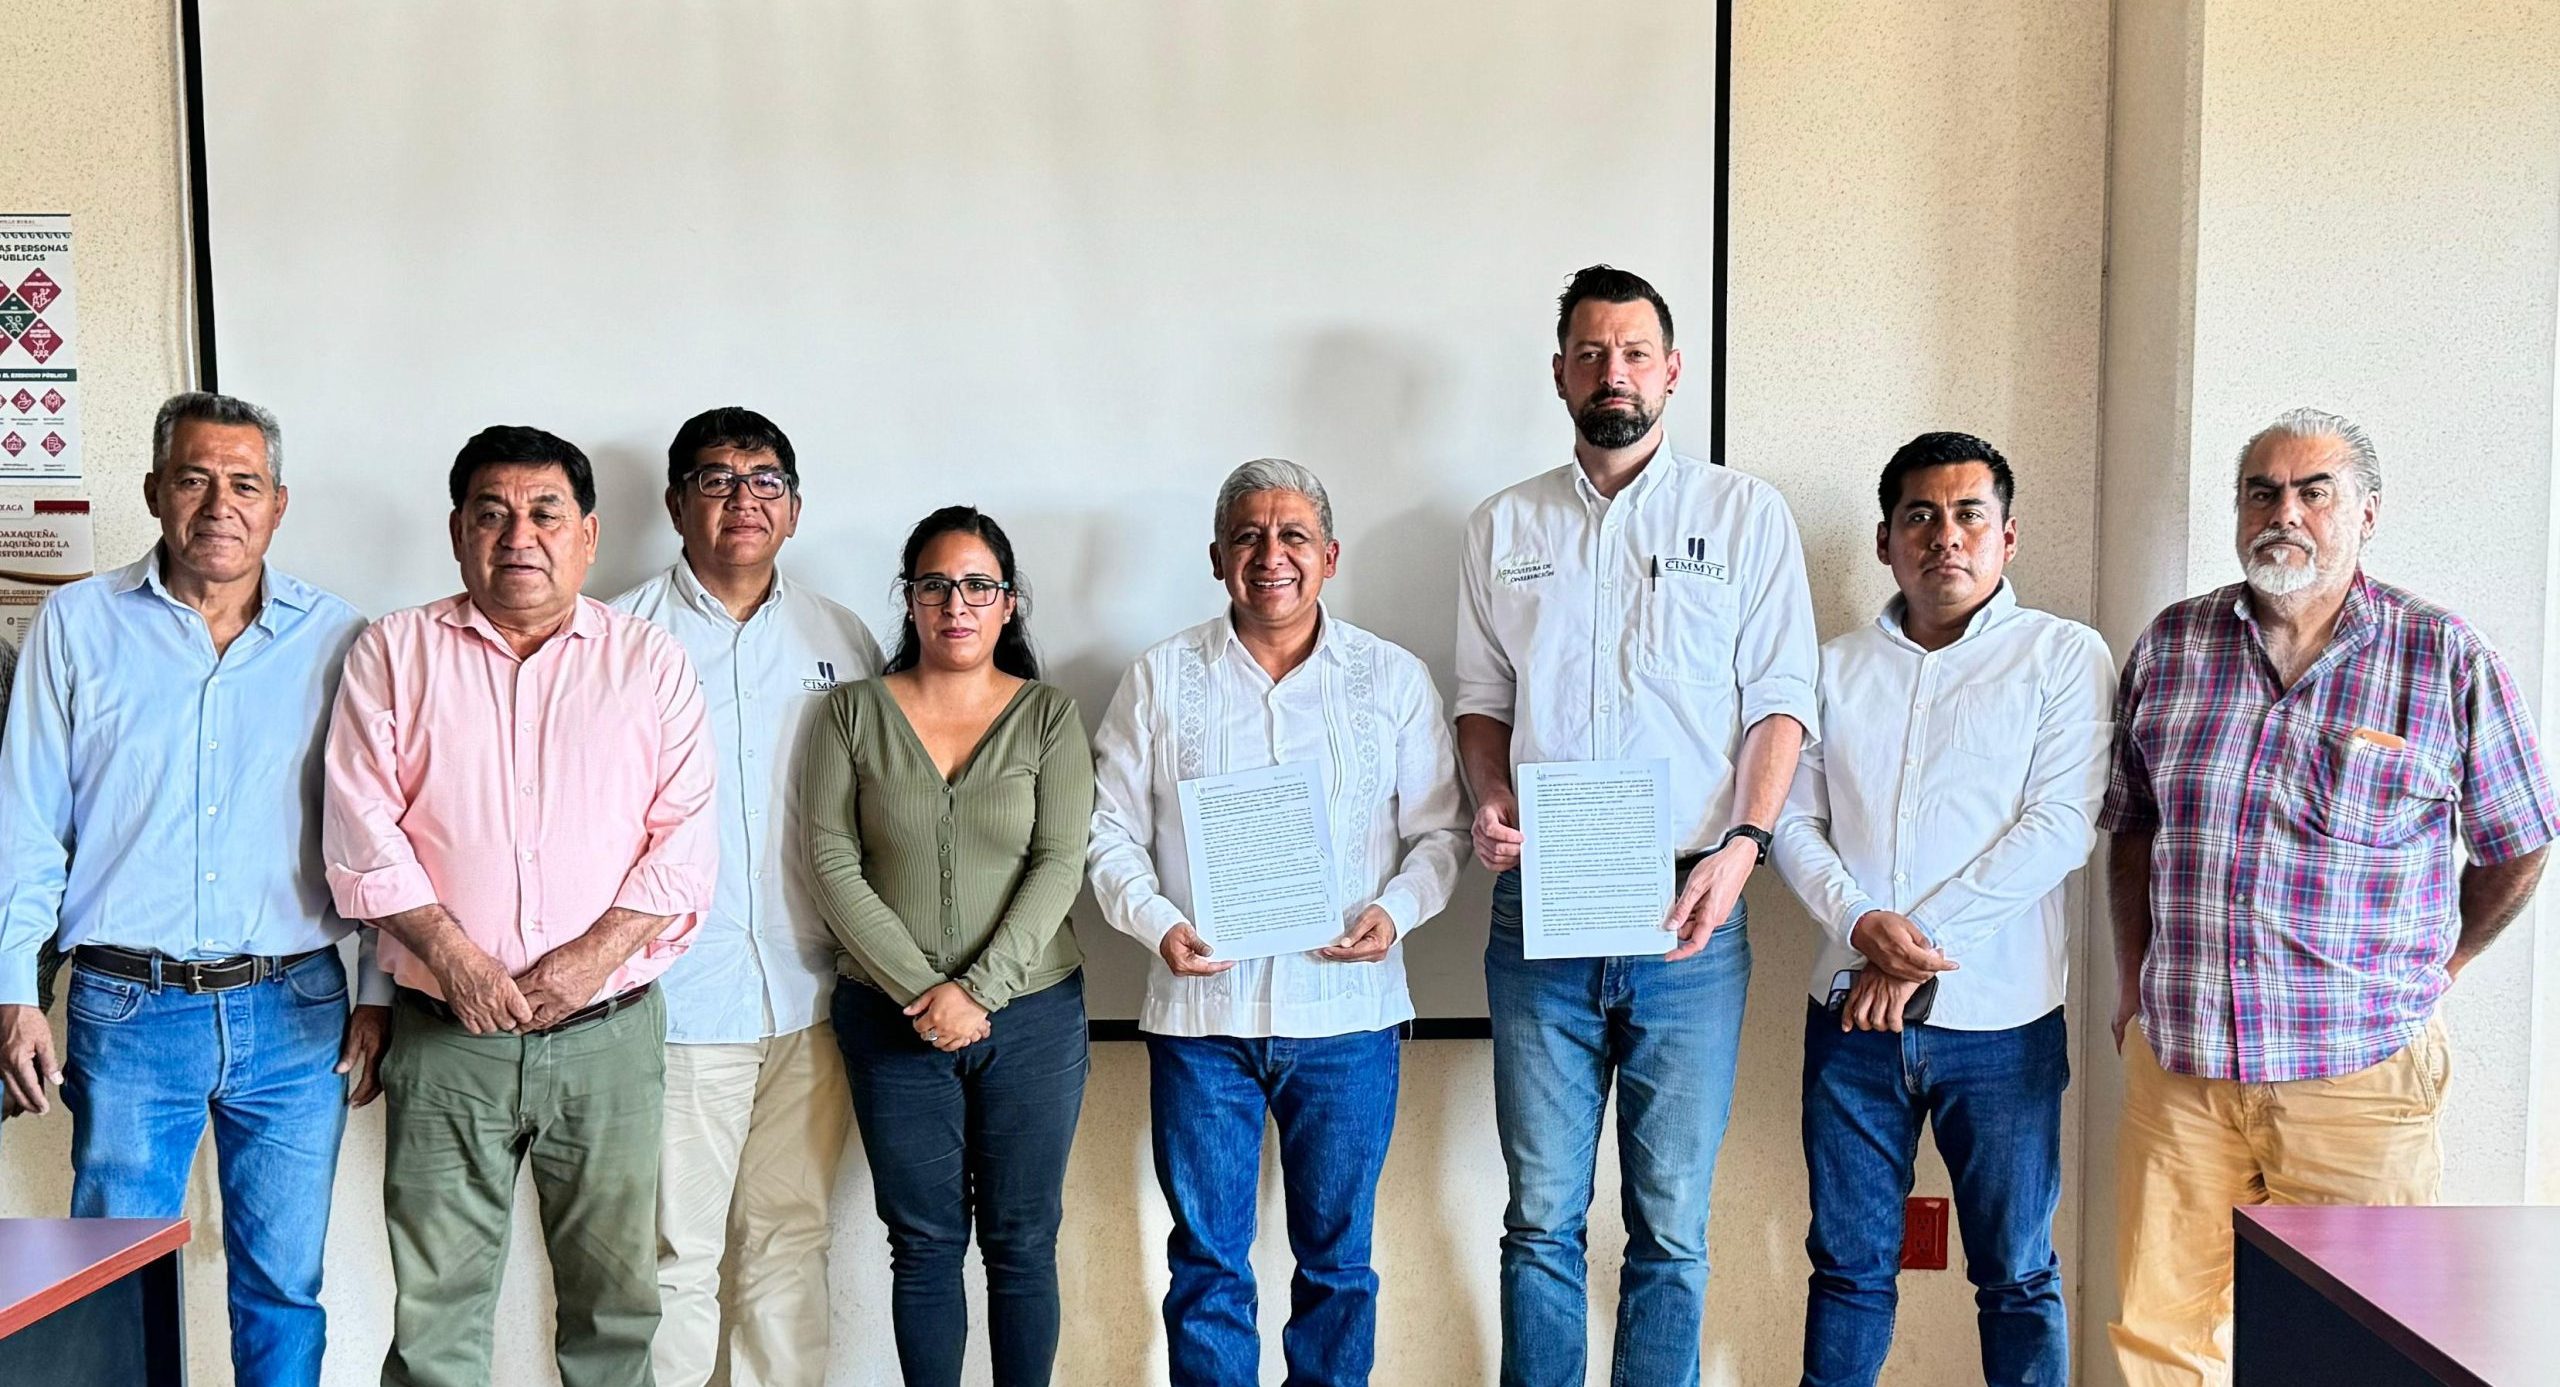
[(1696, 564), (826, 679)]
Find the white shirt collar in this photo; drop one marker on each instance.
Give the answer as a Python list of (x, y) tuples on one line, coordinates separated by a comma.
[(1223, 638), (2002, 606), (689, 586)]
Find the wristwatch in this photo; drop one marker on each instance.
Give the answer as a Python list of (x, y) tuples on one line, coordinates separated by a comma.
[(1759, 839)]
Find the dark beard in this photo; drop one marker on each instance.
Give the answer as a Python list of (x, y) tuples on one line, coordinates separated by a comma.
[(1611, 429)]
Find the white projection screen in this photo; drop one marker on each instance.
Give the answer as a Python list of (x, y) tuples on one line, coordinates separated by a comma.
[(1069, 262)]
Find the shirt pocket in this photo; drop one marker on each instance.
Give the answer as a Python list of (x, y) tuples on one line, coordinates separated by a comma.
[(2377, 796), (1995, 723), (1689, 627)]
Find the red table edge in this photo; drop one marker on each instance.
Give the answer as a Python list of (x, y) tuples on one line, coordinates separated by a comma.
[(2382, 1323), (171, 1236)]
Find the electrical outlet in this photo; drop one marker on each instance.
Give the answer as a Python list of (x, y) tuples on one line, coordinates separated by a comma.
[(1924, 1234)]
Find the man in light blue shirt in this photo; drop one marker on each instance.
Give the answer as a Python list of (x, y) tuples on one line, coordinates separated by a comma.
[(757, 1109), (159, 798)]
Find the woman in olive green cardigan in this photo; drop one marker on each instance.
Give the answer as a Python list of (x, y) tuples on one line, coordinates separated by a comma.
[(948, 802)]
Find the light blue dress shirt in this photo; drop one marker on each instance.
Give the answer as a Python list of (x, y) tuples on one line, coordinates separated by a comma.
[(156, 796)]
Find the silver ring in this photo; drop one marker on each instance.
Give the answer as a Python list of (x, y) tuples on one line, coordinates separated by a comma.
[(933, 1037)]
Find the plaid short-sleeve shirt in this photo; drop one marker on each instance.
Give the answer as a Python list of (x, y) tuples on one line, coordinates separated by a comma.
[(2304, 890)]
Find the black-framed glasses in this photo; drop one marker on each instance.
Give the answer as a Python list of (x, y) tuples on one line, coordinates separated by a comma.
[(973, 590), (764, 483)]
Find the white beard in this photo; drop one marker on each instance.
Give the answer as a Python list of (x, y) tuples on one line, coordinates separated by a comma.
[(2275, 579)]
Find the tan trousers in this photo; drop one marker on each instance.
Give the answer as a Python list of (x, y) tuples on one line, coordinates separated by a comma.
[(754, 1134), (2193, 1148)]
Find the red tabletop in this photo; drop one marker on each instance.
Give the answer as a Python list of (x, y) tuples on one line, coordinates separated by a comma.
[(47, 1263), (2466, 1293)]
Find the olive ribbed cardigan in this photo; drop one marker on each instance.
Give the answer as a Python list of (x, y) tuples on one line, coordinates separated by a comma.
[(969, 880)]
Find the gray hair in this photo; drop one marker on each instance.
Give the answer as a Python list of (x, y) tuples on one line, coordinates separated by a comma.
[(1271, 474), (2306, 422), (205, 407)]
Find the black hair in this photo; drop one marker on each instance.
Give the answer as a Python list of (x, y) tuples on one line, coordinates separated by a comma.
[(729, 426), (515, 445), (1013, 639), (1944, 450), (1608, 284)]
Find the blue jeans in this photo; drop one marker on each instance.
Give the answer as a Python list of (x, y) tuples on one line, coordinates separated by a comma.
[(1670, 1034), (1994, 1098), (1334, 1099), (142, 1071), (980, 1135)]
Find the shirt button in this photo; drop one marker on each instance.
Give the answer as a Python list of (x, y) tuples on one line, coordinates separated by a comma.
[(209, 876), (213, 809), (1899, 878), (945, 900), (213, 746), (525, 789)]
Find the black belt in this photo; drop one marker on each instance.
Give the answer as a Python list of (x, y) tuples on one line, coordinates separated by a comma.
[(191, 975), (596, 1011)]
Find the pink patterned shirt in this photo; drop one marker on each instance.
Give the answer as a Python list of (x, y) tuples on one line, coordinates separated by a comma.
[(529, 796), (2304, 886)]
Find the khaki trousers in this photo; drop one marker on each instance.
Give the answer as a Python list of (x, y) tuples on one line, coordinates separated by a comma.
[(2191, 1149), (754, 1134), (464, 1112)]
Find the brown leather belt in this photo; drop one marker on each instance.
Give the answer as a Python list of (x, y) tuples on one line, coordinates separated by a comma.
[(596, 1011), (189, 975)]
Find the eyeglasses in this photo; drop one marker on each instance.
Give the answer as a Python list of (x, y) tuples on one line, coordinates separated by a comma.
[(936, 592), (765, 483)]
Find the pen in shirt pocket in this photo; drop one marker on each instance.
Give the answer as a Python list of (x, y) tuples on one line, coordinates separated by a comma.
[(2376, 737), (1653, 574)]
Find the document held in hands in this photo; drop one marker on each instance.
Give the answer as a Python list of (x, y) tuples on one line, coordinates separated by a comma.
[(1261, 861), (1595, 871)]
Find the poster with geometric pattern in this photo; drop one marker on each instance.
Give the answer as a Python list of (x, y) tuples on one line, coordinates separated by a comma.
[(39, 351)]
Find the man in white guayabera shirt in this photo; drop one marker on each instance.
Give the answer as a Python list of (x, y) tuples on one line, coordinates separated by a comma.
[(757, 1108), (1956, 787), (1310, 1039)]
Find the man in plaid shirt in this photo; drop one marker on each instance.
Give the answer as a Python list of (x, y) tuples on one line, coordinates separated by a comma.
[(2294, 756)]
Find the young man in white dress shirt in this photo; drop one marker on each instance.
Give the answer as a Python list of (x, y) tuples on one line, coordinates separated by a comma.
[(1309, 1039), (757, 1109), (1630, 604), (1930, 834)]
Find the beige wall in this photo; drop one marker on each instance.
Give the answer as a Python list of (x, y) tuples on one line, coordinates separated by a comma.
[(2370, 223), (1920, 193)]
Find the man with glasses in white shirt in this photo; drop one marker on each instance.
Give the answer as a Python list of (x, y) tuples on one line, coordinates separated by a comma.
[(1632, 604), (1309, 1039), (1955, 790), (757, 1109)]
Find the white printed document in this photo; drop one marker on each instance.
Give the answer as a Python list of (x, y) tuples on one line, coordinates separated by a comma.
[(1261, 861), (1595, 872)]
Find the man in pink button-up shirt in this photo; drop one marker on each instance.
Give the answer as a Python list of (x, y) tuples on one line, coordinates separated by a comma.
[(520, 798)]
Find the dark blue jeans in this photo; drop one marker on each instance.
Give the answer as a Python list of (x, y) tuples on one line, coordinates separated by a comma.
[(1334, 1099), (144, 1072), (1994, 1099), (980, 1135), (1667, 1035)]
